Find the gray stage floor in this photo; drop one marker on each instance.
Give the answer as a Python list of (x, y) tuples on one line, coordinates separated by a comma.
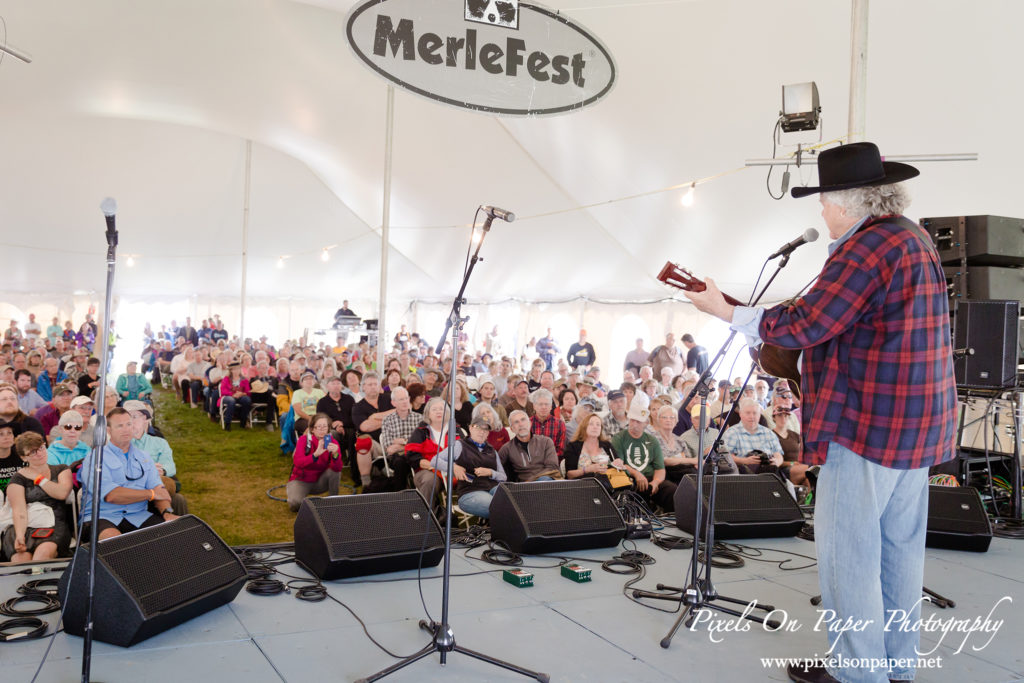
[(574, 632)]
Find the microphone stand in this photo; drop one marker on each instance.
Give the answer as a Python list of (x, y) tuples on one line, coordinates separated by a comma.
[(700, 592), (99, 435), (443, 640)]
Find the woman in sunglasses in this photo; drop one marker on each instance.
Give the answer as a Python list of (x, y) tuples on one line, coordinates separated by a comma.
[(38, 528), (69, 448)]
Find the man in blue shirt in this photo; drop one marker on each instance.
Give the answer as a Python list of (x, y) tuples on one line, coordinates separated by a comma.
[(129, 483)]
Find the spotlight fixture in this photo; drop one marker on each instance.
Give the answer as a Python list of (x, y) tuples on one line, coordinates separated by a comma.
[(687, 199), (800, 108)]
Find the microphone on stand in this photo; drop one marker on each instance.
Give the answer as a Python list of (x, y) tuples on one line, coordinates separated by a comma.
[(810, 234), (495, 212), (109, 208)]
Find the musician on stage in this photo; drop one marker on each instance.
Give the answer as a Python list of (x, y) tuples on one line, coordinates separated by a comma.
[(879, 402)]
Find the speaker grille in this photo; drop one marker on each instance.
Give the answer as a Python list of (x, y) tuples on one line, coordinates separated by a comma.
[(563, 507), (167, 565), (375, 524), (956, 509), (741, 500)]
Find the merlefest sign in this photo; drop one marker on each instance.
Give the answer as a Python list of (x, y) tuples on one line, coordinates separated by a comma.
[(493, 56)]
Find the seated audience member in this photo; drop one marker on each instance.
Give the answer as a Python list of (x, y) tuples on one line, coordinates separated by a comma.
[(9, 460), (130, 482), (677, 462), (69, 449), (156, 447), (131, 386), (463, 403), (567, 402), (691, 445), (39, 528), (478, 470), (590, 453), (28, 400), (586, 407), (432, 382), (262, 388), (11, 413), (369, 413), (305, 399), (741, 440), (518, 398), (88, 382), (545, 423), (782, 398), (429, 437), (417, 394), (530, 455), (488, 393), (351, 381), (792, 446), (643, 459), (83, 405), (51, 376), (397, 427), (234, 396), (193, 379), (316, 463), (615, 421), (761, 393), (337, 405), (179, 370), (215, 374), (50, 413)]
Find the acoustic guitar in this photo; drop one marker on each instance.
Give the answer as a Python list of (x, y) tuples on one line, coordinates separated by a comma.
[(773, 360)]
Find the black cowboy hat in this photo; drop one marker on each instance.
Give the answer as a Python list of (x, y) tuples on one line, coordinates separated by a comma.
[(857, 164)]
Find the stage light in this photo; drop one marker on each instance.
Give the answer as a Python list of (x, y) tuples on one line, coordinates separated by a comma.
[(800, 108), (280, 262), (687, 199), (325, 255), (130, 262)]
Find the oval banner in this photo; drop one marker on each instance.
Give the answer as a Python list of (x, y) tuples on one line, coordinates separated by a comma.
[(500, 57)]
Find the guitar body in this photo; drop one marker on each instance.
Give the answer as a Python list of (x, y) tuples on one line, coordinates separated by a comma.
[(773, 360)]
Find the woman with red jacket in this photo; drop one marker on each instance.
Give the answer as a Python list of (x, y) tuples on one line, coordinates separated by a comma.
[(316, 463), (234, 396), (424, 443)]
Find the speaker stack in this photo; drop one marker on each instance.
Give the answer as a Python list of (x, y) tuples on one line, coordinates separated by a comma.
[(746, 506), (555, 516), (344, 536), (150, 580)]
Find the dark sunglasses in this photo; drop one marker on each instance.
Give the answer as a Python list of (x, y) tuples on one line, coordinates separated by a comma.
[(77, 428)]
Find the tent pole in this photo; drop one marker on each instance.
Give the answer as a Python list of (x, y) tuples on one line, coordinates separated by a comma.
[(245, 233), (858, 70), (385, 227)]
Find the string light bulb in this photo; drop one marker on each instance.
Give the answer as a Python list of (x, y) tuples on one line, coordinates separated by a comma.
[(687, 199), (325, 255), (280, 262), (130, 262)]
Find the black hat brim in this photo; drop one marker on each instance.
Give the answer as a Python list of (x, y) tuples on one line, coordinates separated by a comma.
[(895, 172)]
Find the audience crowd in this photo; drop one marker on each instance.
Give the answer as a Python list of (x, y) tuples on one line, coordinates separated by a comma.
[(540, 416)]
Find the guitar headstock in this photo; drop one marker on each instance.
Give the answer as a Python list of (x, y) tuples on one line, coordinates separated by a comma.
[(680, 278)]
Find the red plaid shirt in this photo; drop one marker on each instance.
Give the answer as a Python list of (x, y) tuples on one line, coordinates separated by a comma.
[(877, 370), (553, 428)]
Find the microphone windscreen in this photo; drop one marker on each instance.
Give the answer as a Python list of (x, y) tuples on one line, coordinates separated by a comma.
[(810, 234), (108, 206)]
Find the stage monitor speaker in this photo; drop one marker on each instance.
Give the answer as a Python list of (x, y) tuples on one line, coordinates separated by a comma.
[(150, 580), (957, 519), (343, 536), (746, 506), (991, 329), (555, 516)]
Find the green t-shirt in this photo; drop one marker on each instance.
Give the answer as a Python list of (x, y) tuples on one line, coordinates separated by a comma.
[(643, 454), (308, 401)]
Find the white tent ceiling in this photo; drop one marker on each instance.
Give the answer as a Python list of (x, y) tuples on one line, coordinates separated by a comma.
[(153, 102)]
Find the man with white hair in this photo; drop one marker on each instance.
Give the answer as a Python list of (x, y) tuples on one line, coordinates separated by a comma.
[(877, 314), (544, 422), (749, 435)]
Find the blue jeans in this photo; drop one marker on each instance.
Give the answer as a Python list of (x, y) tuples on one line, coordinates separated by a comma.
[(477, 503), (233, 408), (869, 531)]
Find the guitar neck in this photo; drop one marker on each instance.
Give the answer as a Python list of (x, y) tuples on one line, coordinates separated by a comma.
[(682, 279)]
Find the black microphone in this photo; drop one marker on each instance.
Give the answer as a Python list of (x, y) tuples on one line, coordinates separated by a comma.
[(810, 234), (495, 212), (109, 208)]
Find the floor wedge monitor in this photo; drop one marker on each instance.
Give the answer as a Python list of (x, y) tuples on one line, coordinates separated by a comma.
[(957, 519), (746, 506)]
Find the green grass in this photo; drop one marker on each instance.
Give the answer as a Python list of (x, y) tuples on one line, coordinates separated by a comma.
[(225, 475)]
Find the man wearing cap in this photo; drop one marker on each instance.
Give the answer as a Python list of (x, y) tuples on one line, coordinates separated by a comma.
[(49, 414), (50, 377), (877, 315), (518, 398), (304, 400), (69, 448), (615, 421), (129, 483), (581, 355), (642, 456), (782, 398)]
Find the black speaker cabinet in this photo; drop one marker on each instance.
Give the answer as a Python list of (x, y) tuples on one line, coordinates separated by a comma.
[(555, 516), (150, 580), (342, 536), (990, 328), (746, 506), (957, 519), (982, 240)]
